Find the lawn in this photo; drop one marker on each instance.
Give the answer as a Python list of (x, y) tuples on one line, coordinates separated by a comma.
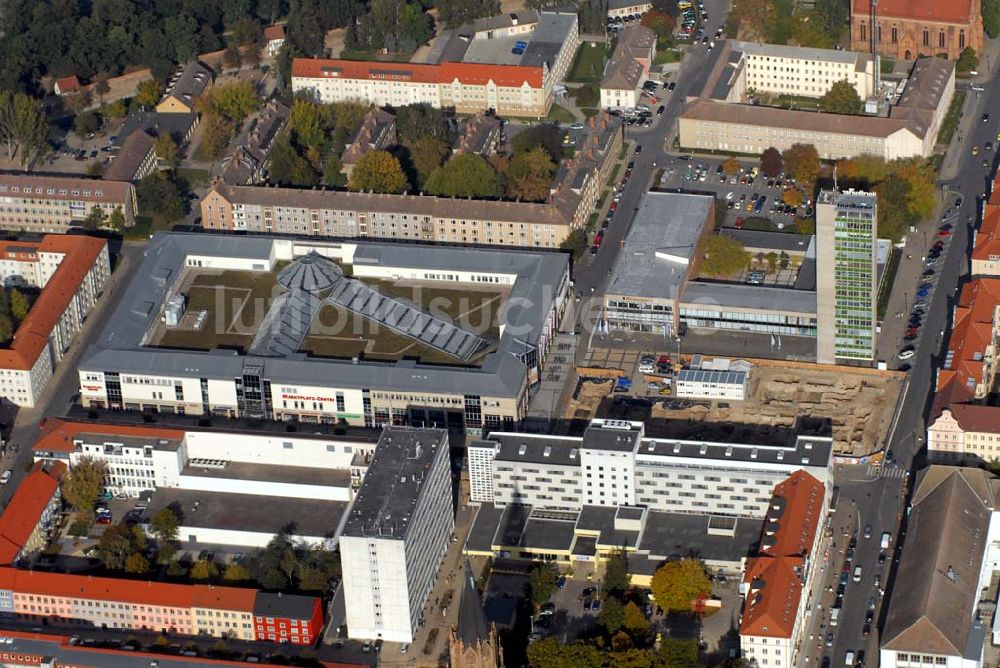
[(667, 56), (589, 64), (194, 177), (560, 115), (950, 121), (796, 102)]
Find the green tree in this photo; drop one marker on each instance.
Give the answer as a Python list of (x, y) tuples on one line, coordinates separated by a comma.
[(115, 546), (23, 127), (551, 653), (159, 195), (233, 101), (548, 136), (95, 170), (165, 524), (216, 132), (635, 620), (454, 13), (677, 584), (575, 242), (116, 221), (19, 304), (175, 569), (802, 162), (418, 121), (246, 30), (204, 570), (82, 484), (114, 109), (136, 564), (677, 653), (465, 175), (611, 616), (542, 583), (286, 167), (842, 98), (166, 150), (722, 255), (333, 174), (771, 163), (730, 166), (231, 57), (86, 122), (616, 579), (991, 16), (378, 172), (149, 92), (6, 327), (529, 176), (660, 23), (894, 215), (236, 573), (426, 155)]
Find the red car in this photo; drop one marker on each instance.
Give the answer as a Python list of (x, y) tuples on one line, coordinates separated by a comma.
[(739, 223), (598, 239), (613, 207), (663, 359), (944, 233)]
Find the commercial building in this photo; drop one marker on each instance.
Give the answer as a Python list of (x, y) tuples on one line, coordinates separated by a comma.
[(476, 375), (135, 160), (471, 70), (628, 67), (722, 117), (710, 384), (951, 551), (654, 286), (30, 203), (846, 275), (237, 488), (577, 500), (186, 85), (615, 464), (248, 164), (31, 514), (71, 271), (965, 433), (776, 581), (909, 29), (397, 534)]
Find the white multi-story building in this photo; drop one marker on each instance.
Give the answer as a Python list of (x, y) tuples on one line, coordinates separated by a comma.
[(711, 384), (71, 272), (397, 534), (614, 464), (802, 71)]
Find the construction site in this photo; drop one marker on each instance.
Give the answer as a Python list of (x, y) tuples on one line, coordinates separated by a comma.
[(853, 405)]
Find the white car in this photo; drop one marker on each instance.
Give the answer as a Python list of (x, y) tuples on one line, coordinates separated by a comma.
[(906, 353), (647, 368), (729, 196), (5, 478)]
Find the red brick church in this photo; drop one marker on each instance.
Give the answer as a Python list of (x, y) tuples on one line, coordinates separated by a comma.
[(908, 29)]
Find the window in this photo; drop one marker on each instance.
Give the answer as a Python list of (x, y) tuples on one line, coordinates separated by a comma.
[(894, 35), (862, 31), (941, 39), (961, 40), (927, 37)]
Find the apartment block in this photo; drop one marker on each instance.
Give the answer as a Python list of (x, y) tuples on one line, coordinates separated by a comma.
[(846, 275), (776, 581), (968, 373), (397, 534), (248, 163), (31, 203), (628, 67), (806, 72), (31, 514), (72, 271), (965, 433), (614, 464)]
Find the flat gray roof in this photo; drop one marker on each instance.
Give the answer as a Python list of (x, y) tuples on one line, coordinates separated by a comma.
[(119, 346), (799, 52), (710, 376), (739, 296), (779, 241), (249, 512), (807, 451), (676, 535), (666, 224), (536, 448), (301, 475), (394, 482)]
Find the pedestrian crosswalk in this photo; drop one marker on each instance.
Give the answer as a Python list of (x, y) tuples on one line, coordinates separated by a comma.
[(886, 471)]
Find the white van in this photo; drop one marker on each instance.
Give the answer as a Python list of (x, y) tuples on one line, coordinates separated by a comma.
[(886, 537), (857, 574), (834, 616), (849, 658)]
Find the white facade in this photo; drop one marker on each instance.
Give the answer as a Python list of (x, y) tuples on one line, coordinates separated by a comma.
[(805, 72), (389, 570), (698, 384), (661, 474), (769, 652), (619, 98)]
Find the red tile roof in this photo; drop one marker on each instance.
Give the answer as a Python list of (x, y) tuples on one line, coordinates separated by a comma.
[(987, 242), (974, 417), (946, 11), (25, 509), (467, 73), (125, 591), (57, 434), (970, 335), (774, 576), (32, 335), (272, 33), (68, 84)]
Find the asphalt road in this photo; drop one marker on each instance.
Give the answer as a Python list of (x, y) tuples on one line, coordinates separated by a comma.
[(876, 497)]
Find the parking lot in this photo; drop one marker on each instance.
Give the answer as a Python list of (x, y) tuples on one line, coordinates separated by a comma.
[(740, 193)]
